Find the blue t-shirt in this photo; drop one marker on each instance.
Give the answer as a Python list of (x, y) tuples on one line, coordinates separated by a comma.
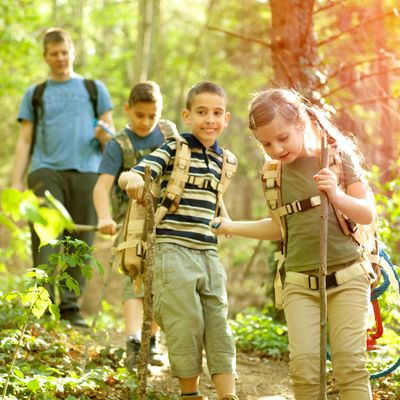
[(65, 134), (112, 161)]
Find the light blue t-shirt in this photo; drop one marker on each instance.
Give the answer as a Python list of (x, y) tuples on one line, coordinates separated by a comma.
[(112, 161), (65, 134)]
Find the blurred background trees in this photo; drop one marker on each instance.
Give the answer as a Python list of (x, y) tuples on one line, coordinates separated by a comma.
[(341, 54)]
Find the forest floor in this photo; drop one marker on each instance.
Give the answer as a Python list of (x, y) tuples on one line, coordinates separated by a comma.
[(259, 378)]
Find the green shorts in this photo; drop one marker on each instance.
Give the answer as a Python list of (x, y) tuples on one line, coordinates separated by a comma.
[(191, 306), (128, 291)]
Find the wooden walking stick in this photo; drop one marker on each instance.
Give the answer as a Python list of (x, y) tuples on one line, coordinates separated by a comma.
[(323, 271), (149, 239)]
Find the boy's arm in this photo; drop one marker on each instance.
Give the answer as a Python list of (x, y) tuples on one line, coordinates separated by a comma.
[(133, 183), (101, 200), (263, 229), (22, 155)]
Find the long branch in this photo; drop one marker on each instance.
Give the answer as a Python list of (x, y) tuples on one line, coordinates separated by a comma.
[(328, 6), (361, 78), (242, 37), (345, 67), (360, 25)]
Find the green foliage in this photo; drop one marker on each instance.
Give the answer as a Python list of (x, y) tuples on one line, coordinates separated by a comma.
[(257, 331)]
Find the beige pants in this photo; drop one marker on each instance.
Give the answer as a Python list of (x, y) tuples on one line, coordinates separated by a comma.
[(347, 330)]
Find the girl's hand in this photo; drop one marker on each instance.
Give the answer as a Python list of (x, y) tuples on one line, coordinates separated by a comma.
[(220, 226), (327, 182)]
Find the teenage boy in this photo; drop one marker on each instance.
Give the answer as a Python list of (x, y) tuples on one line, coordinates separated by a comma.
[(143, 111)]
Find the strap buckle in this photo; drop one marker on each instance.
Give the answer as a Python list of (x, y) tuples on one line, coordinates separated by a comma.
[(313, 282)]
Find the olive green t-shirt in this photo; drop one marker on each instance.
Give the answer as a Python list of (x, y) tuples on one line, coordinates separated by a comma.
[(303, 228)]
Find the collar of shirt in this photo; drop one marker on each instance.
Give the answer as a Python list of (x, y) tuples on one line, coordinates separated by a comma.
[(194, 142)]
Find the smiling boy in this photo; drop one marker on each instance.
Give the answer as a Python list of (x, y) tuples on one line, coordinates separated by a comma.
[(190, 299)]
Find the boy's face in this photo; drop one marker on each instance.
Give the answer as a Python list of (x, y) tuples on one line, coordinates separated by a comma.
[(143, 117), (207, 117), (60, 56)]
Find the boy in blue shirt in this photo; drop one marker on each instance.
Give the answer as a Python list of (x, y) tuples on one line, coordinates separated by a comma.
[(144, 131), (64, 154), (190, 299)]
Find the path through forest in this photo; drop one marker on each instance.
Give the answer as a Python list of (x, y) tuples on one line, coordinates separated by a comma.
[(258, 378)]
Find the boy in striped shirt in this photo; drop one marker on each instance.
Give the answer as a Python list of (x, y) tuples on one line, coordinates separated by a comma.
[(190, 299)]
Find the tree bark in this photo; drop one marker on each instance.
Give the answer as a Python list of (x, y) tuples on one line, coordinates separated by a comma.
[(293, 46), (149, 239)]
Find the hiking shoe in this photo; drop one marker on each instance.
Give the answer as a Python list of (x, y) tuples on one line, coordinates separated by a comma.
[(230, 397), (74, 317), (132, 353), (155, 356)]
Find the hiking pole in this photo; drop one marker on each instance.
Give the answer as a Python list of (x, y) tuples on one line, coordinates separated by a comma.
[(149, 238), (323, 272)]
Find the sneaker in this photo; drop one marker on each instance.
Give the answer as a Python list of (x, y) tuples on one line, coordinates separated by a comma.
[(155, 357), (132, 353), (74, 317)]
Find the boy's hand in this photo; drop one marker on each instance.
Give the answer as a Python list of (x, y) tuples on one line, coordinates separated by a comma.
[(220, 226), (107, 226), (133, 184), (327, 181)]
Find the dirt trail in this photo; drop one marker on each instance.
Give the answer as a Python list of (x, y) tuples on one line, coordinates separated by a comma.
[(258, 378)]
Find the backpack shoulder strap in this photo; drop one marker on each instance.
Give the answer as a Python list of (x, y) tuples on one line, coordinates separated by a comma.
[(128, 152), (177, 181), (228, 170), (37, 105), (168, 128), (91, 88)]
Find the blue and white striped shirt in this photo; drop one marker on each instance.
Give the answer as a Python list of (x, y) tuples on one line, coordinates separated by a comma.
[(189, 225)]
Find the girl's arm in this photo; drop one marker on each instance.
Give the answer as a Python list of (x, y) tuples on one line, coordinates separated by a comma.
[(357, 203), (264, 229)]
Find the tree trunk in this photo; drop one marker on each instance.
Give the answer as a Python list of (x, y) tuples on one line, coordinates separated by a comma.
[(293, 47), (144, 44), (385, 129)]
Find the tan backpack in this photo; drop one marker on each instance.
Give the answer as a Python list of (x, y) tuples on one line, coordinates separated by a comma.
[(131, 250)]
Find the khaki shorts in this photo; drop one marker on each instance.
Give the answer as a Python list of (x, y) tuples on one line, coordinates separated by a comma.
[(191, 306), (128, 292)]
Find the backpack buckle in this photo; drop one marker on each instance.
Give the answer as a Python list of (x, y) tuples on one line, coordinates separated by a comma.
[(289, 208), (313, 283)]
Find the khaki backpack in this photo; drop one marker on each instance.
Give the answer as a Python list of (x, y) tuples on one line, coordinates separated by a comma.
[(364, 235), (119, 200), (131, 250)]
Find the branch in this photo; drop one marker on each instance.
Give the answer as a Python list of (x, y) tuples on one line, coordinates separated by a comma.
[(360, 25), (330, 5), (372, 100), (242, 37), (149, 239), (361, 78), (345, 67)]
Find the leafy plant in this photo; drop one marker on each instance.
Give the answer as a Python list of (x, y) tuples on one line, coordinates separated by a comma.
[(258, 331)]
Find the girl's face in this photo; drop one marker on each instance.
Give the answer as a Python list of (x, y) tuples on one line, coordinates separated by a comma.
[(281, 141)]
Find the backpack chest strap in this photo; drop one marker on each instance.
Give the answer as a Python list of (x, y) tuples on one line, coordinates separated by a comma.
[(298, 206)]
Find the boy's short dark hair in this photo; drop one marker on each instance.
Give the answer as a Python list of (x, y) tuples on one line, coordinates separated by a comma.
[(56, 35), (204, 87), (146, 92)]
